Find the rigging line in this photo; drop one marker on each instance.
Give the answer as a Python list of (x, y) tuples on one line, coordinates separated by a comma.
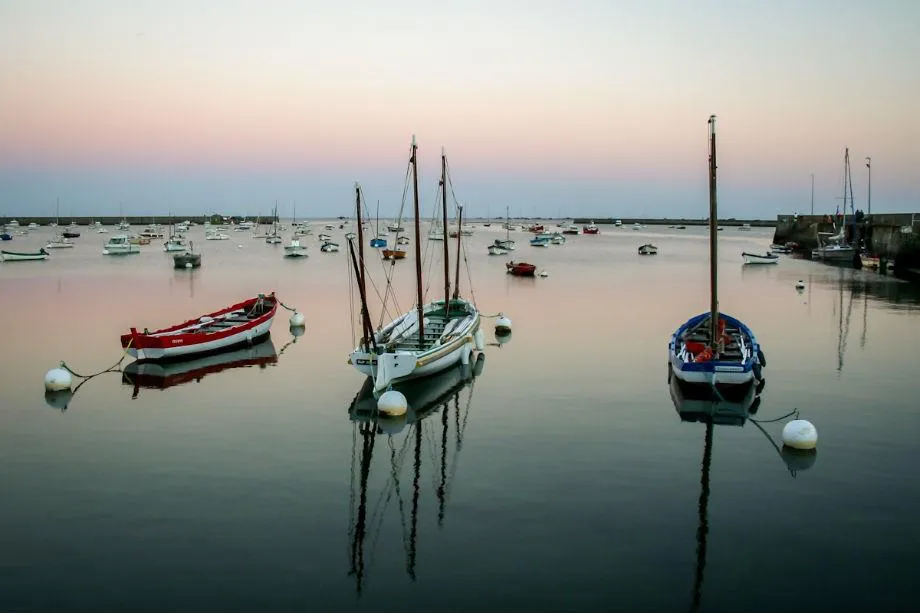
[(399, 498), (459, 439), (376, 516), (352, 494), (379, 518), (770, 421)]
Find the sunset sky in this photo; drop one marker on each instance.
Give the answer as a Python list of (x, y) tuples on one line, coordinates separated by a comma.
[(588, 108)]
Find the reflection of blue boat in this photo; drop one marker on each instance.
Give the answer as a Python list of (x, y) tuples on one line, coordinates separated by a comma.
[(163, 375), (378, 242)]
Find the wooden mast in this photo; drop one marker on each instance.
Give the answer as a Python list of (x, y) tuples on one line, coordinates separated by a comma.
[(367, 330), (713, 242), (360, 233), (459, 235), (446, 233), (418, 248)]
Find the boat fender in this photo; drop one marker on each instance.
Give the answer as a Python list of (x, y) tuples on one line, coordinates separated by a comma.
[(757, 370), (761, 358)]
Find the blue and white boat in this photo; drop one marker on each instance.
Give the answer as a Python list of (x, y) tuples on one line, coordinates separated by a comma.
[(540, 241), (714, 354)]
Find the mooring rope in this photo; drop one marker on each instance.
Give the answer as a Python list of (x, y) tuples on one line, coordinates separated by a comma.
[(109, 369), (768, 421)]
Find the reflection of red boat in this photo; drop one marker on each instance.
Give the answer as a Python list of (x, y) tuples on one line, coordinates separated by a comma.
[(521, 269), (157, 375), (393, 254), (234, 325)]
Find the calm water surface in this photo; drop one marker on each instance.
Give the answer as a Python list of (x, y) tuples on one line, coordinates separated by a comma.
[(559, 478)]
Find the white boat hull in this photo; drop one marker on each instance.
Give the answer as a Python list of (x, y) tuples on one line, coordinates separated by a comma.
[(400, 365), (178, 351)]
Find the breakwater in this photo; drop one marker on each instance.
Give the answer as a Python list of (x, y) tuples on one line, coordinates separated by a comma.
[(894, 236)]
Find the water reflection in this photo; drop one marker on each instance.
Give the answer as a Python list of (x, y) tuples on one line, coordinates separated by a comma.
[(717, 411), (163, 375), (449, 393)]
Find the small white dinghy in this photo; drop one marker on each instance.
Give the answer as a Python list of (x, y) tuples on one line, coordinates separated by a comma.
[(759, 258)]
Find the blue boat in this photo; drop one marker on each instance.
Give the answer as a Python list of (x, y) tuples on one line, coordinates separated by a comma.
[(6, 237), (540, 241), (714, 354), (378, 242)]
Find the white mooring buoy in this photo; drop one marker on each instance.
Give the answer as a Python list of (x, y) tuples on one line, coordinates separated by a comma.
[(800, 434), (544, 274), (58, 379), (800, 284), (392, 402), (297, 319), (502, 324)]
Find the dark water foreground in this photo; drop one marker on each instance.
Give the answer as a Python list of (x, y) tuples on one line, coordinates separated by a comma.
[(555, 474)]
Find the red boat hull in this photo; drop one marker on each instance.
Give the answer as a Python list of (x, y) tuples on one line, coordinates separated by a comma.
[(590, 230), (232, 326), (521, 269)]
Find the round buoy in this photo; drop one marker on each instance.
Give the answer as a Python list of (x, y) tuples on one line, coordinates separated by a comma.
[(239, 246), (188, 264), (392, 403), (58, 399), (297, 319), (58, 379), (800, 434), (543, 273), (502, 324), (800, 284)]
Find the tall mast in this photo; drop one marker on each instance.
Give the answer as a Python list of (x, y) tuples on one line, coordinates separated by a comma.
[(418, 247), (869, 201), (367, 331), (713, 239), (812, 194), (446, 234), (457, 274)]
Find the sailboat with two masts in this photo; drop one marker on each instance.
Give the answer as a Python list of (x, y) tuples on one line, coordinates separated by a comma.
[(428, 338)]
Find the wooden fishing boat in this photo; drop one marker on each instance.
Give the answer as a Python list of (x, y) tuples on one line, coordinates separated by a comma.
[(239, 324), (394, 254), (429, 338), (23, 256), (714, 353), (521, 269), (189, 259)]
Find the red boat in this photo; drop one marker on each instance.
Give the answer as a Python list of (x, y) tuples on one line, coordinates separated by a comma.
[(591, 228), (536, 228), (244, 323), (394, 254), (521, 269)]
